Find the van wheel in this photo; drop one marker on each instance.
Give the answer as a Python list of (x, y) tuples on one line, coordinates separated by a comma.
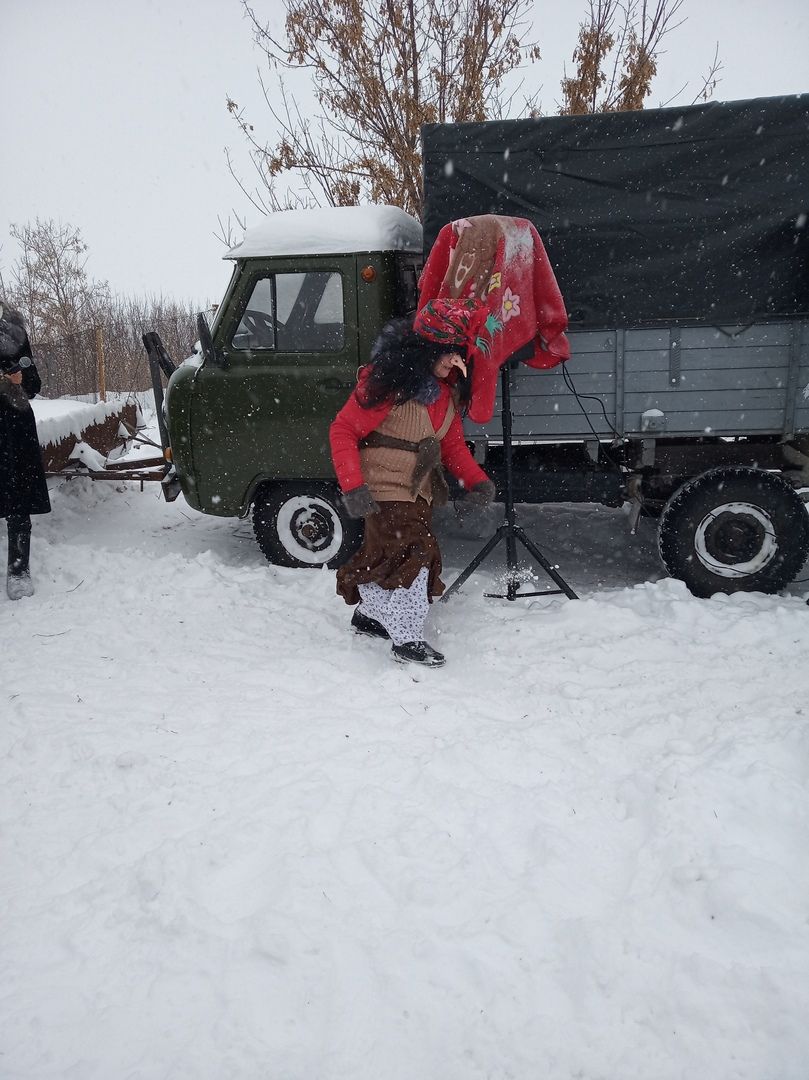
[(304, 525), (734, 530)]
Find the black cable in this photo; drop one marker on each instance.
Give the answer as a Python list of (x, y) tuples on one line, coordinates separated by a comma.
[(587, 397), (568, 378)]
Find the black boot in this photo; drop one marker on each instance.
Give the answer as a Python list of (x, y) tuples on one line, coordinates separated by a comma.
[(18, 582), (362, 624), (417, 652)]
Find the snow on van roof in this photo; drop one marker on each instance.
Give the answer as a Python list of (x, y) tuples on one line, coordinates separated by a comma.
[(331, 230)]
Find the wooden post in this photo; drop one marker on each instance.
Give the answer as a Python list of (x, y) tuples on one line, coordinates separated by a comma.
[(102, 374)]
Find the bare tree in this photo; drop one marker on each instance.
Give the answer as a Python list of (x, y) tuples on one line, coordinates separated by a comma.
[(123, 321), (58, 299), (617, 54), (63, 306), (381, 70)]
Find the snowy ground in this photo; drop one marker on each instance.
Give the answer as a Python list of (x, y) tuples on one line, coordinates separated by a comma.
[(239, 843)]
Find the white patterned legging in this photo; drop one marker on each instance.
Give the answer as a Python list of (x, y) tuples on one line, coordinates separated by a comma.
[(401, 611)]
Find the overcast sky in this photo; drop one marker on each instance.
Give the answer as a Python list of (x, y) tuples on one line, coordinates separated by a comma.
[(114, 115)]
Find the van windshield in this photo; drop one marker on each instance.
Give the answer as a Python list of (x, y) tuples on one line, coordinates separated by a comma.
[(296, 312)]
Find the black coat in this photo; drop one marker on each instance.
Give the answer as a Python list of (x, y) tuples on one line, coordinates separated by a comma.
[(23, 489)]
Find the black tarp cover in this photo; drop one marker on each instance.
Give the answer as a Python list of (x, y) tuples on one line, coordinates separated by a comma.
[(699, 214)]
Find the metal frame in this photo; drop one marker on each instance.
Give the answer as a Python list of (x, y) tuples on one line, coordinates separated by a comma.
[(510, 531)]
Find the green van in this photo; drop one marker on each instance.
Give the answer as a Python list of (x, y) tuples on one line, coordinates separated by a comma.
[(247, 418)]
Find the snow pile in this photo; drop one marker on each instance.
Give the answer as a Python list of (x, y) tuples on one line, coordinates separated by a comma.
[(60, 418), (240, 842), (331, 230), (90, 458)]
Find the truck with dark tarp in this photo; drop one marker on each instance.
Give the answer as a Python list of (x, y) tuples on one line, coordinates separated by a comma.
[(680, 242)]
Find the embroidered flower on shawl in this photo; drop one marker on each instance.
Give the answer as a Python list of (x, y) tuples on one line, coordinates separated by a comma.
[(511, 305)]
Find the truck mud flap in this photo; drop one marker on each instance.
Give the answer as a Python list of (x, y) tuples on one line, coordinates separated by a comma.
[(171, 486)]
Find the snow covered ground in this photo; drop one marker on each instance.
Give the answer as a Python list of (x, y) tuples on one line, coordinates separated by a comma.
[(239, 843)]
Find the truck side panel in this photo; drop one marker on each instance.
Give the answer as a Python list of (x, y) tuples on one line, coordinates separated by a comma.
[(801, 397), (708, 380), (720, 381), (544, 408)]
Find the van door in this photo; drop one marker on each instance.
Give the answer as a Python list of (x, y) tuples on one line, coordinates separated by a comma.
[(289, 344)]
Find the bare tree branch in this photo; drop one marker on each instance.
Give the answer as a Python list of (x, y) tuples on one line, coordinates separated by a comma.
[(62, 307), (617, 54), (380, 71)]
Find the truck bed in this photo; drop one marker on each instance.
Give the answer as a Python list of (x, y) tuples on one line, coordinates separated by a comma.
[(664, 382)]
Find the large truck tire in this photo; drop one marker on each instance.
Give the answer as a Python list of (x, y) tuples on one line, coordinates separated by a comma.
[(734, 529), (304, 525)]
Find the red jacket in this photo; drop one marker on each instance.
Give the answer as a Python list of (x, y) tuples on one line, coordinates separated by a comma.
[(353, 423)]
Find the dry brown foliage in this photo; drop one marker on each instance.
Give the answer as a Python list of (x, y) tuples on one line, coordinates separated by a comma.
[(380, 70), (617, 53)]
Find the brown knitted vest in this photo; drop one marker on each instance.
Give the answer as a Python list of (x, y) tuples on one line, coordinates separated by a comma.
[(388, 471)]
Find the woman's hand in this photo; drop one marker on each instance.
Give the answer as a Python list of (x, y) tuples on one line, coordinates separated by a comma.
[(476, 498), (360, 503), (15, 377)]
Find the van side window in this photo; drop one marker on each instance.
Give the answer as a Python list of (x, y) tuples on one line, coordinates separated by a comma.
[(408, 272), (294, 313)]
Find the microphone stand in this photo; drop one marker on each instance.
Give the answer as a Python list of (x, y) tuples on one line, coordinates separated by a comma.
[(510, 531)]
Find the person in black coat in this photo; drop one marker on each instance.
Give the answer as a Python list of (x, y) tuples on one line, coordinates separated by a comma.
[(23, 489)]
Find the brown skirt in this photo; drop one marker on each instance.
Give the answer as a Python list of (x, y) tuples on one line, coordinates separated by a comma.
[(398, 542)]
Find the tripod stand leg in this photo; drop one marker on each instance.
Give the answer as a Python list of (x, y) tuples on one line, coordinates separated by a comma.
[(543, 562), (475, 563), (509, 529), (513, 583)]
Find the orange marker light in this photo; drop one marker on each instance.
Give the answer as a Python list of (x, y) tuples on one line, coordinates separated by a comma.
[(368, 273)]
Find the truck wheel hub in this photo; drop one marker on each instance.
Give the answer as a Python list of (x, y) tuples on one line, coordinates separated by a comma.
[(309, 529), (735, 539), (312, 527)]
